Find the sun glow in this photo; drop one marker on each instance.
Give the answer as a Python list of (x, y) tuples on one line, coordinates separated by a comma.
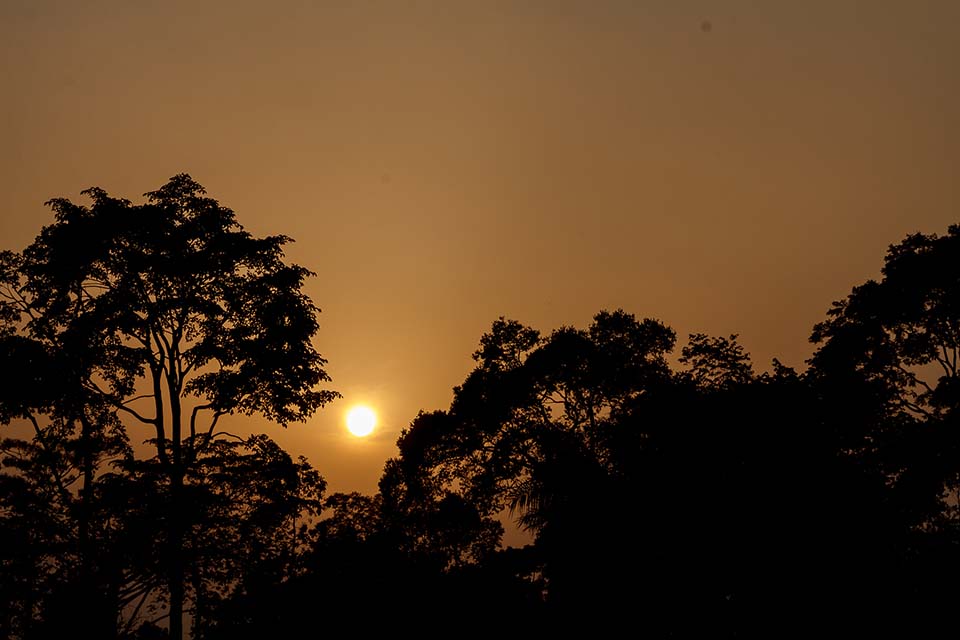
[(361, 420)]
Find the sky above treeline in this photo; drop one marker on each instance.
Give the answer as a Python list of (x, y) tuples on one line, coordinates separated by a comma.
[(726, 166)]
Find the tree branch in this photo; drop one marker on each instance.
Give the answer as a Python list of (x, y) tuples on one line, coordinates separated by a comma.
[(915, 379), (93, 386), (155, 372), (136, 415), (17, 298), (916, 408), (231, 435), (136, 611), (210, 433), (55, 476), (193, 418), (944, 361), (163, 345)]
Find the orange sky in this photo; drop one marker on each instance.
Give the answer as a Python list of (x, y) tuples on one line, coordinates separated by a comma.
[(444, 163)]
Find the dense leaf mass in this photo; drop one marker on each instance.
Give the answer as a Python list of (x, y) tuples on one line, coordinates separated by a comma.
[(665, 492)]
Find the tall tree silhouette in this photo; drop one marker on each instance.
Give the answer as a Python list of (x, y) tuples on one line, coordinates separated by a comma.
[(529, 430), (887, 368), (653, 492), (528, 395), (74, 433), (179, 317), (892, 346)]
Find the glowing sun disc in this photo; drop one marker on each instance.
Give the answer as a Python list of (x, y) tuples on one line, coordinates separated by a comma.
[(361, 421)]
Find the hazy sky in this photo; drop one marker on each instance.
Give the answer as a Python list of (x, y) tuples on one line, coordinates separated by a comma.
[(725, 166)]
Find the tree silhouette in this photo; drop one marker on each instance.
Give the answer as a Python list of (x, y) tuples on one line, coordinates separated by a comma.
[(886, 370), (716, 363), (892, 345), (255, 511), (55, 473), (654, 492), (702, 499), (172, 312), (529, 431)]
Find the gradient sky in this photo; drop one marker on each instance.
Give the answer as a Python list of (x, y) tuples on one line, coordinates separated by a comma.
[(723, 166)]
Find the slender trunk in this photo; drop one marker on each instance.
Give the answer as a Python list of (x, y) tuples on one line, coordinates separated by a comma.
[(177, 529), (156, 370), (86, 500), (95, 594), (86, 467), (175, 544), (94, 597)]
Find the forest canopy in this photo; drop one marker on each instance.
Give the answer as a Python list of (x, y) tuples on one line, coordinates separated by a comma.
[(668, 486)]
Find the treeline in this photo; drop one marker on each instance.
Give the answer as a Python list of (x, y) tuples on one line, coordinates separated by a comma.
[(669, 490)]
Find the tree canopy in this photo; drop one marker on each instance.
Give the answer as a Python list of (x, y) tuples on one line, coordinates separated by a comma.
[(673, 489), (167, 314)]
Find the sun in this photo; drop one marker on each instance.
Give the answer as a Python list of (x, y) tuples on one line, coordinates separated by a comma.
[(361, 420)]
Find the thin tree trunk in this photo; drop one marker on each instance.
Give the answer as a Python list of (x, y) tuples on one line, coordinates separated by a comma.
[(176, 533), (95, 594), (86, 501), (175, 546)]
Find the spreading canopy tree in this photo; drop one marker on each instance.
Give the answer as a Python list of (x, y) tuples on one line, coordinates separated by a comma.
[(888, 358), (531, 396), (172, 315), (529, 430), (902, 333)]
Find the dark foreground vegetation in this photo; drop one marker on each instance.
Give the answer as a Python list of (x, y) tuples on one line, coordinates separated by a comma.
[(670, 490)]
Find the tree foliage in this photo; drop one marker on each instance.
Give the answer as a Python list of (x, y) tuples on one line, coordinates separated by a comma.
[(651, 485), (171, 315), (888, 354), (707, 487)]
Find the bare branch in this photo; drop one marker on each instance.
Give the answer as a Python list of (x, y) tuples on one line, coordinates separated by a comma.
[(228, 434), (193, 418), (916, 408), (136, 415), (135, 398), (914, 378), (133, 616), (944, 361), (17, 298), (93, 386), (210, 435)]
